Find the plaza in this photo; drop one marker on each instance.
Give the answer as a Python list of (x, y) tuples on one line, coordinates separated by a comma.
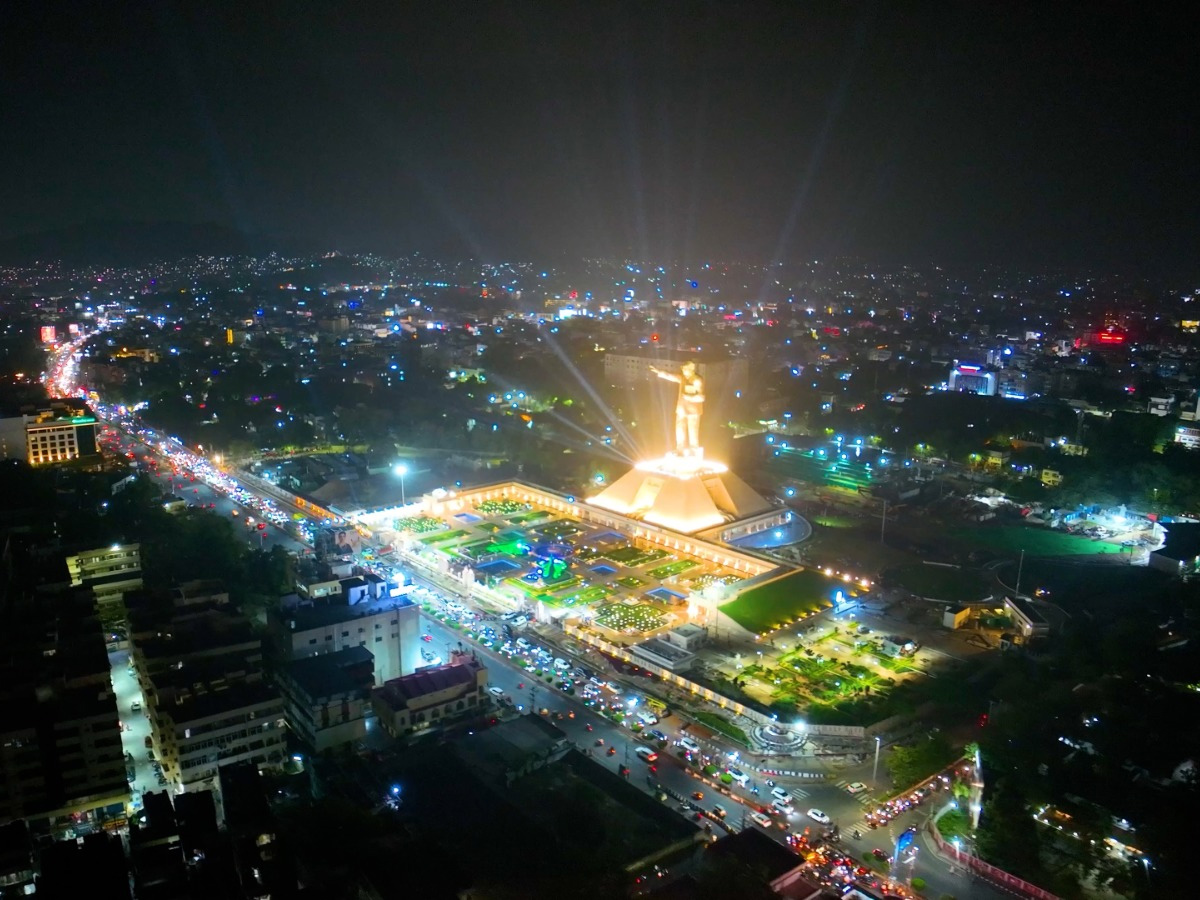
[(524, 547)]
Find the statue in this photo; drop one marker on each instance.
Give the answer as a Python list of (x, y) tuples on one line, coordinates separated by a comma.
[(688, 407)]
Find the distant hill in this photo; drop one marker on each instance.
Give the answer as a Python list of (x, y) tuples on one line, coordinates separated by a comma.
[(131, 243)]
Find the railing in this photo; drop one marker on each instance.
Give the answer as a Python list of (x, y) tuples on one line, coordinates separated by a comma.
[(987, 870)]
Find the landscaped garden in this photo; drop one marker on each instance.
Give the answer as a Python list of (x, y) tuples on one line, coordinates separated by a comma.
[(443, 537), (700, 582), (784, 600), (632, 582), (420, 524), (556, 531), (672, 568), (629, 617), (633, 557), (535, 515), (501, 507)]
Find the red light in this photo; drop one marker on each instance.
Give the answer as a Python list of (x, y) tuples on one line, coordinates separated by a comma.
[(654, 337), (1108, 337), (574, 295)]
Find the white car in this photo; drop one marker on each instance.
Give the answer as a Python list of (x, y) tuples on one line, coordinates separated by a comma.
[(856, 788), (689, 745), (783, 806), (739, 776), (561, 664), (817, 816), (496, 692), (781, 794), (760, 819)]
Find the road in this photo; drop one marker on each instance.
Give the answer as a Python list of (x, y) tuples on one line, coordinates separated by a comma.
[(202, 494)]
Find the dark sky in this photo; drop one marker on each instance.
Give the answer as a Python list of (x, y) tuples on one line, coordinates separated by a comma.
[(1003, 132)]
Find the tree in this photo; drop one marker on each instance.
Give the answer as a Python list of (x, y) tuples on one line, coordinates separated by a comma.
[(908, 765)]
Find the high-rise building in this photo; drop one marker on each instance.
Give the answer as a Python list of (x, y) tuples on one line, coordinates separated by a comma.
[(60, 431), (360, 615)]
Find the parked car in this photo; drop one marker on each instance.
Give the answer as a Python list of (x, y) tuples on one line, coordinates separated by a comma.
[(856, 787), (817, 816)]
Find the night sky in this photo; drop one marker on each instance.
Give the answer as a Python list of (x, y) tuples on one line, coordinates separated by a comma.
[(912, 132)]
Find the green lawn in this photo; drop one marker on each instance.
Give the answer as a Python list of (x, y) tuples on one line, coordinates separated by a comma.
[(767, 606), (939, 582), (536, 516), (1033, 540), (672, 568), (443, 536), (558, 530), (634, 556)]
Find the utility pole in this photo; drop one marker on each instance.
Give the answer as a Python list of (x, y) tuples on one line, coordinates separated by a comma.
[(875, 771), (1020, 566), (883, 521)]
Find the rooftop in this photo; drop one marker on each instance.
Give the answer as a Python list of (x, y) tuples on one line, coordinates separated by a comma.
[(320, 614), (333, 673), (400, 692)]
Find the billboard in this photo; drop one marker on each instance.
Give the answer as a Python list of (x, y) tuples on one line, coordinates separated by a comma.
[(49, 334), (73, 328), (343, 541)]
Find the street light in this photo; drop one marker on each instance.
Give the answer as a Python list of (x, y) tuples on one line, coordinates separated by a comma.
[(401, 469), (875, 772)]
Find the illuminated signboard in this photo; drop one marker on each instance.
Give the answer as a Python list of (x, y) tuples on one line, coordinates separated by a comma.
[(49, 334)]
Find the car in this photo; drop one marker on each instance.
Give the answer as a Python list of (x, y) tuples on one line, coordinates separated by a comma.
[(817, 816), (719, 811), (523, 643), (654, 735), (781, 794), (427, 638), (783, 806), (739, 776), (762, 820), (856, 787), (136, 706), (689, 745), (647, 754), (496, 691), (561, 664)]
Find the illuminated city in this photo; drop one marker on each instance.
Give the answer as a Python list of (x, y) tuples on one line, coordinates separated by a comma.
[(598, 452)]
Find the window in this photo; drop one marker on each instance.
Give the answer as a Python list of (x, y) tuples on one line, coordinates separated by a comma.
[(329, 637), (378, 625), (312, 640), (379, 640), (345, 634)]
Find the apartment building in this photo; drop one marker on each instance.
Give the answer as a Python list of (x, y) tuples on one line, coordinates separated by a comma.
[(327, 698), (201, 672), (360, 615)]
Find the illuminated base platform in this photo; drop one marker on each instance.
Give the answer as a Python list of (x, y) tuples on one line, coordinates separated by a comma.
[(684, 493)]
